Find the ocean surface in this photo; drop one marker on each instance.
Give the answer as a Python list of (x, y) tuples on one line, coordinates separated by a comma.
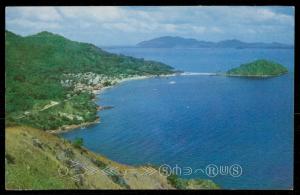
[(202, 121)]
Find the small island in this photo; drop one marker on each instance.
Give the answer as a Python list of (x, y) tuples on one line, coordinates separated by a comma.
[(258, 68)]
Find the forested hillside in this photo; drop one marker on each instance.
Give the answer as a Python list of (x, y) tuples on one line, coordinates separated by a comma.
[(35, 67)]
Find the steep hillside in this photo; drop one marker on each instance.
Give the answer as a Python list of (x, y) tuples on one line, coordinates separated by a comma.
[(35, 159)]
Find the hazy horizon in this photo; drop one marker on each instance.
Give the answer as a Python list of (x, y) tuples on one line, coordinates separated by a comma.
[(134, 45)]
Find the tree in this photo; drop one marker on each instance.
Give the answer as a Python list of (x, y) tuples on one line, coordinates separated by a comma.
[(78, 142)]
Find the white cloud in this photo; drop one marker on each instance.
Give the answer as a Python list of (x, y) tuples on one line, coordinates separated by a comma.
[(201, 22), (170, 27), (37, 13), (40, 25), (100, 14), (266, 15)]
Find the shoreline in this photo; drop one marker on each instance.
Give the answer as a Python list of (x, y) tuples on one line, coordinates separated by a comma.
[(68, 128), (135, 78), (99, 91)]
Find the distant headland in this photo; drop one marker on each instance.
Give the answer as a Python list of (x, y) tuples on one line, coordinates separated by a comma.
[(180, 42)]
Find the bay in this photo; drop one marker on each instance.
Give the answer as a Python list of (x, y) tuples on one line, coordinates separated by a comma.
[(195, 121)]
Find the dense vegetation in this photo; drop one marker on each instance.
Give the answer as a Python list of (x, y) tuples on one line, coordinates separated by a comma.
[(258, 68), (35, 66)]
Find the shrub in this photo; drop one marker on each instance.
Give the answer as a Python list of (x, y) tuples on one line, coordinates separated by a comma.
[(177, 182), (78, 142), (99, 163), (119, 180), (10, 159)]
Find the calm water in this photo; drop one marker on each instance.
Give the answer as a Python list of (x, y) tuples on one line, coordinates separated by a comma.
[(194, 121)]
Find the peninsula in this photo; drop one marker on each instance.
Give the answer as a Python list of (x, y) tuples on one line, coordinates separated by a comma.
[(51, 83)]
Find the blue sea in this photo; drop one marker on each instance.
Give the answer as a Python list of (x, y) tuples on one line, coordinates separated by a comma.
[(202, 121)]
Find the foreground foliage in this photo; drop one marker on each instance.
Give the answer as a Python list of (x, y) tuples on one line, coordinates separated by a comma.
[(38, 160)]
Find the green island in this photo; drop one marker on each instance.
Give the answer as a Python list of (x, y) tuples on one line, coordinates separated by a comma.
[(258, 68), (51, 84)]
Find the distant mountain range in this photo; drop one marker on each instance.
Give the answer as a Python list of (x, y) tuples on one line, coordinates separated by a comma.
[(180, 42)]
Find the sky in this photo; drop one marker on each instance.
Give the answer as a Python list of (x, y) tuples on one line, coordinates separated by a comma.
[(128, 25)]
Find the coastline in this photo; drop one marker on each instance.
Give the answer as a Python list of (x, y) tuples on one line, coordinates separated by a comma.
[(137, 78), (99, 91), (191, 183), (68, 128)]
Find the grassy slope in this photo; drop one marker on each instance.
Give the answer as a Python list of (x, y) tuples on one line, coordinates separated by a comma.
[(258, 68), (33, 159)]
